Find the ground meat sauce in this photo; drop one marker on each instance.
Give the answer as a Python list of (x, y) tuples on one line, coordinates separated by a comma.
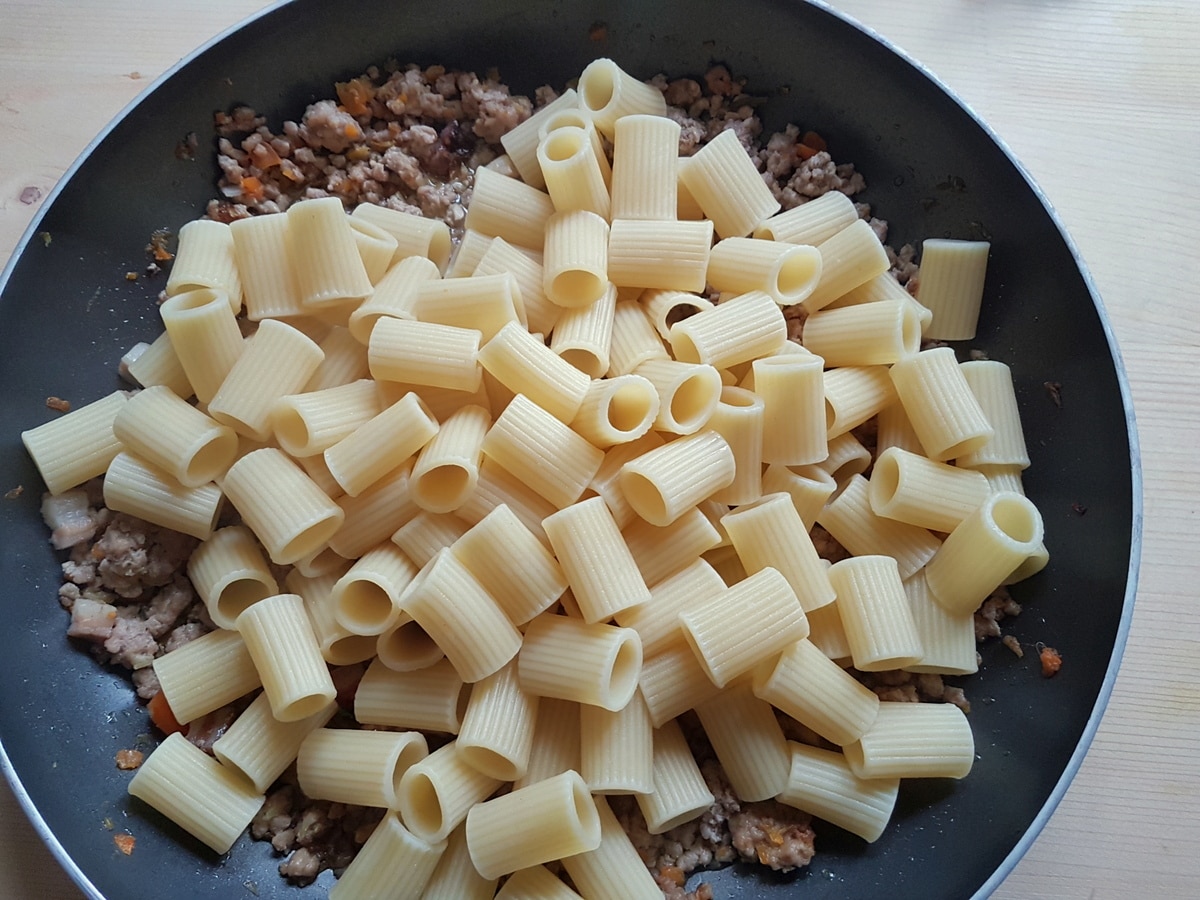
[(409, 139)]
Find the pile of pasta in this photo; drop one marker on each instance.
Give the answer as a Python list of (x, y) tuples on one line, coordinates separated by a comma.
[(558, 498)]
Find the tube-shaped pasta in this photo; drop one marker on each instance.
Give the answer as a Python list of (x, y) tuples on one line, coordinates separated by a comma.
[(595, 559), (447, 468), (894, 430), (851, 257), (617, 748), (540, 450), (657, 620), (660, 552), (280, 640), (157, 363), (544, 821), (555, 741), (854, 394), (634, 340), (578, 117), (229, 573), (808, 486), (854, 525), (748, 741), (77, 446), (810, 223), (723, 179), (135, 487), (525, 365), (991, 383), (376, 247), (497, 729), (750, 621), (211, 802), (867, 335), (395, 295), (406, 646), (665, 308), (672, 681), (914, 740), (425, 353), (287, 512), (943, 411), (614, 870), (671, 254), (847, 458), (498, 486), (616, 410), (680, 793), (323, 254), (205, 258), (875, 613), (269, 285), (608, 92), (583, 336), (482, 302), (357, 766), (686, 207), (952, 276), (663, 483), (770, 533), (576, 257), (436, 793), (455, 877), (645, 154), (366, 599), (338, 646), (261, 747), (468, 253), (572, 173), (983, 550), (792, 390), (521, 141), (526, 266), (606, 481), (391, 856), (744, 328), (818, 693), (345, 361), (520, 573), (307, 424), (430, 699), (788, 272), (460, 615), (534, 883), (279, 361), (569, 659), (415, 235), (948, 640), (507, 208), (828, 634), (205, 336), (910, 488), (381, 444), (688, 393), (820, 782), (374, 515), (205, 674)]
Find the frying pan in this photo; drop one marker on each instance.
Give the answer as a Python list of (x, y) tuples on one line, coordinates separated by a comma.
[(933, 170)]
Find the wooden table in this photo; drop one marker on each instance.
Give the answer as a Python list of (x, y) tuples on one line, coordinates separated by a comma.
[(1101, 101)]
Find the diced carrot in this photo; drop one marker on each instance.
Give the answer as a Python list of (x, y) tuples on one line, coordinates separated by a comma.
[(814, 140), (162, 716), (805, 152), (1051, 661), (252, 188), (125, 843), (354, 95), (352, 131)]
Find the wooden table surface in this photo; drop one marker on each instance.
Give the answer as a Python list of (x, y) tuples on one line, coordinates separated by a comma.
[(1101, 102)]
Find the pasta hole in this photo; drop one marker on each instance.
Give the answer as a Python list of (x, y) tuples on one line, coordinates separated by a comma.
[(408, 647), (441, 489), (585, 809), (411, 753), (644, 496), (240, 595), (597, 87), (460, 707), (350, 649), (291, 429), (305, 706), (364, 605), (440, 247), (695, 399), (563, 143), (885, 480), (309, 539), (197, 299), (679, 312), (1016, 517), (684, 347), (910, 330), (626, 667), (577, 287), (630, 406), (798, 274), (490, 763), (212, 459), (420, 804), (585, 361)]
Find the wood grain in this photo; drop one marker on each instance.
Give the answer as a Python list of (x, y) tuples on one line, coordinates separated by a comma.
[(1100, 102)]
